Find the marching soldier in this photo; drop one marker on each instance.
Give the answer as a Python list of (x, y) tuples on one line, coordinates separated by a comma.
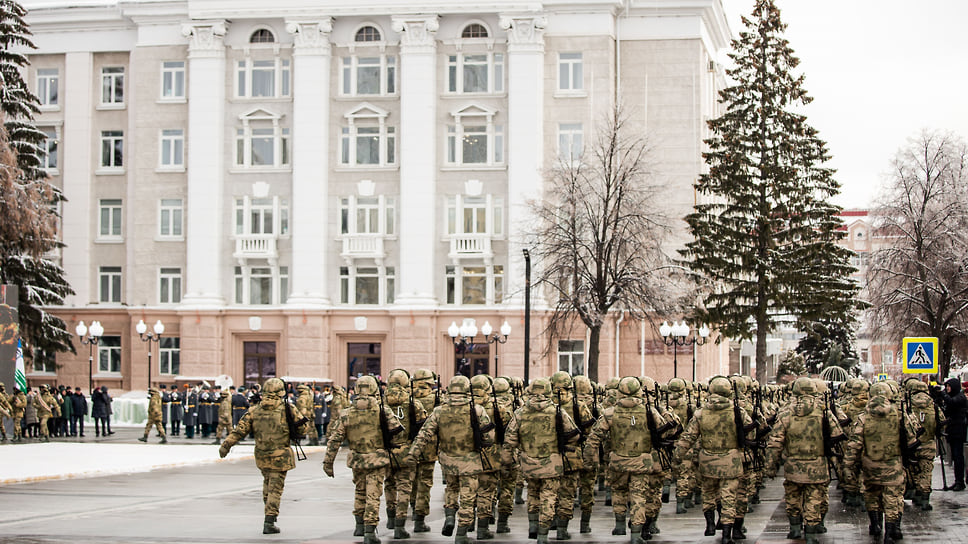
[(154, 416), (562, 391), (42, 403), (584, 394), (224, 400), (508, 475), (678, 403), (304, 403), (422, 382), (19, 405), (856, 406), (411, 415), (490, 458), (6, 412), (924, 411)]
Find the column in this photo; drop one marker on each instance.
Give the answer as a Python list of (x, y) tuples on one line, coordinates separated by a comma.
[(418, 159), (204, 238), (525, 130), (77, 165), (310, 161)]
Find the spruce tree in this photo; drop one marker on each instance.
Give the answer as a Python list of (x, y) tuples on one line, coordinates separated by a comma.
[(764, 231)]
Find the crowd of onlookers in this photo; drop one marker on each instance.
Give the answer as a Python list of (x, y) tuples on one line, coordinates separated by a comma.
[(67, 412)]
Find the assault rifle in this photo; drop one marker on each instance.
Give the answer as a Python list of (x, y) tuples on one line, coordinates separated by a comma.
[(763, 426), (562, 436), (576, 415), (908, 452), (412, 418), (661, 446), (499, 427), (832, 447), (690, 410), (293, 425), (749, 460), (480, 444), (385, 432)]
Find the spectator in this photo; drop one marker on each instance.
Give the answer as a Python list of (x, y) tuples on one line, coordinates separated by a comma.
[(78, 411), (108, 400), (955, 405), (31, 423), (99, 411), (67, 409)]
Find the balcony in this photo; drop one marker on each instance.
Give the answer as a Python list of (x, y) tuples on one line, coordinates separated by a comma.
[(470, 246), (363, 246), (256, 246)]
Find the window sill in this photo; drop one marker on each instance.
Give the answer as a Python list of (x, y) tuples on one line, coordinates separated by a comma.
[(170, 170), (386, 168), (455, 168), (179, 100), (260, 169), (169, 238), (571, 94), (498, 94), (52, 171), (357, 97), (40, 374), (109, 240), (108, 376), (49, 108), (262, 99), (109, 107), (109, 172)]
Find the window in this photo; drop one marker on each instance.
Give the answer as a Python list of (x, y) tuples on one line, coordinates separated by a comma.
[(262, 78), (112, 85), (366, 284), (475, 73), (474, 30), (169, 355), (254, 285), (570, 144), (569, 72), (475, 144), (367, 145), (261, 145), (112, 149), (368, 75), (109, 219), (169, 286), (173, 80), (475, 215), (263, 35), (110, 284), (109, 354), (173, 148), (475, 284), (45, 361), (48, 81), (170, 216), (50, 150), (258, 216), (367, 215), (367, 34), (571, 356)]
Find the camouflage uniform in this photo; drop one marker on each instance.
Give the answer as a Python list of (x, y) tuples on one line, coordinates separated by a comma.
[(451, 424), (720, 454), (798, 438), (411, 415), (925, 411), (608, 400), (154, 416), (6, 411), (747, 482), (224, 416), (370, 457), (304, 402), (625, 427), (562, 392), (667, 419), (584, 392), (874, 447), (273, 455), (856, 406), (682, 473), (488, 479), (43, 403), (508, 475), (423, 392), (19, 404), (533, 433)]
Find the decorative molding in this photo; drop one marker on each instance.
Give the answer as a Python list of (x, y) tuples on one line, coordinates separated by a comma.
[(525, 32), (417, 33), (205, 38), (311, 37)]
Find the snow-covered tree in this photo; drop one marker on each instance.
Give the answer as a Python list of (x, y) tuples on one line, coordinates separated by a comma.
[(828, 343), (765, 232), (791, 366)]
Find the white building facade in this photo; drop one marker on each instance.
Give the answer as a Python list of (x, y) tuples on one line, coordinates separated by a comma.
[(319, 189)]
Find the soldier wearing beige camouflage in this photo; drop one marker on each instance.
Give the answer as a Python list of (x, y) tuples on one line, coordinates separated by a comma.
[(273, 455), (6, 411), (43, 403), (371, 457), (798, 440), (411, 415), (154, 416), (488, 479), (304, 403), (19, 403), (609, 399), (720, 454), (854, 407), (923, 409), (224, 416), (423, 382), (669, 421), (562, 388), (678, 402), (584, 392), (532, 434), (508, 475)]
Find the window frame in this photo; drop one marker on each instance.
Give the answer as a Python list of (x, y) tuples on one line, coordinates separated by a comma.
[(568, 131), (51, 147), (278, 277), (455, 210), (112, 141), (570, 354), (244, 207), (48, 88), (110, 90), (168, 279), (385, 279), (495, 69), (455, 288), (171, 140), (281, 77), (493, 134), (168, 353), (113, 222), (108, 352), (114, 275), (43, 362), (349, 215), (171, 207), (349, 73), (177, 83), (571, 65)]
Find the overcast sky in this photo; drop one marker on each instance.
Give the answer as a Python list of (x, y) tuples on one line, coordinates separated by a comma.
[(879, 71)]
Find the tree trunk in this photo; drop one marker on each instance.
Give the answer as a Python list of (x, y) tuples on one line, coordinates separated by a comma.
[(594, 336), (762, 327)]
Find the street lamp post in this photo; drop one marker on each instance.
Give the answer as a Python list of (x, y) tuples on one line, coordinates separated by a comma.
[(147, 336), (92, 339), (463, 336), (496, 338), (678, 335)]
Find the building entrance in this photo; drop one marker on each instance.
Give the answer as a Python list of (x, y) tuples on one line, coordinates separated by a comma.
[(260, 362), (362, 359)]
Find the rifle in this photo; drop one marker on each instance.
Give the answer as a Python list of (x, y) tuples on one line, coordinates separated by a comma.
[(412, 418), (562, 436), (908, 453), (437, 391), (293, 426), (689, 408), (479, 443), (832, 447), (499, 427), (741, 430), (385, 433), (576, 415), (662, 447)]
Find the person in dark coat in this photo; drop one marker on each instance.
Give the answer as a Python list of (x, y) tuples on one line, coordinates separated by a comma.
[(207, 407), (108, 401), (240, 405), (191, 412), (319, 412), (177, 410), (165, 406), (99, 411), (955, 406), (79, 410)]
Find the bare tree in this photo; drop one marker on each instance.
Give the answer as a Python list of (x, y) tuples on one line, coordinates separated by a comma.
[(598, 241), (918, 280)]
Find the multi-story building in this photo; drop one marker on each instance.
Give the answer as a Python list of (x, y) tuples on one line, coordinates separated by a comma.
[(319, 189)]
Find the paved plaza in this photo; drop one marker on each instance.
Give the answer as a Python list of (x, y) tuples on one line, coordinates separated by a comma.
[(221, 501)]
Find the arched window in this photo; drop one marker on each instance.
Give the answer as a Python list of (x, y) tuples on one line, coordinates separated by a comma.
[(368, 34), (263, 35), (474, 30)]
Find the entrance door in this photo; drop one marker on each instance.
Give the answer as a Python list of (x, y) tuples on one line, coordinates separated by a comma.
[(363, 359), (260, 361), (472, 362)]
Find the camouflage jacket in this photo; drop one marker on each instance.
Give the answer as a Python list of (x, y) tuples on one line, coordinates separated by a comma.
[(359, 425), (450, 425), (401, 411), (492, 454), (923, 411), (224, 409), (19, 402), (874, 443), (5, 403), (43, 403), (154, 407), (428, 402), (532, 432), (272, 450), (712, 431), (797, 438), (574, 460), (625, 428)]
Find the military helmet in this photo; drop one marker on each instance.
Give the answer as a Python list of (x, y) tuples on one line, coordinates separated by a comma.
[(1, 385), (912, 384), (274, 386), (629, 386), (423, 374), (541, 386), (366, 386), (677, 385), (881, 389), (398, 376), (804, 386), (721, 386), (459, 385), (740, 382), (583, 386), (612, 383), (859, 387), (561, 380), (481, 384), (647, 383), (501, 385)]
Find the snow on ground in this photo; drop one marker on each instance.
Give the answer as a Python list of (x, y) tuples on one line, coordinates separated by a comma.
[(56, 461)]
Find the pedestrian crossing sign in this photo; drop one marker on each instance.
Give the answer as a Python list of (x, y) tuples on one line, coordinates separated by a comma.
[(920, 355)]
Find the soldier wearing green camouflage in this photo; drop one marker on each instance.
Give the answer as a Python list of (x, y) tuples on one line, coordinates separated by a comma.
[(154, 416), (43, 403), (423, 392), (854, 407), (6, 411), (273, 456), (654, 480), (562, 389), (508, 475), (488, 479), (682, 473), (532, 434), (720, 454), (19, 403), (584, 391), (451, 427), (923, 410), (609, 398), (304, 404), (874, 448), (400, 478), (624, 427), (797, 439)]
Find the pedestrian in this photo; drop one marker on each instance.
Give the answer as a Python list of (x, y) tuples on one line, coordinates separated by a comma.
[(78, 411), (109, 404), (99, 411), (30, 416), (269, 423), (955, 406), (319, 411), (67, 411), (206, 415), (165, 406), (177, 410)]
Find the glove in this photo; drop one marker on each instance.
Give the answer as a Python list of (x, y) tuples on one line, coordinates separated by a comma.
[(328, 469), (223, 451)]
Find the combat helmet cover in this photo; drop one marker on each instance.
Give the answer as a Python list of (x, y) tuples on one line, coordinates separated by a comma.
[(721, 386), (459, 385), (366, 386), (629, 386)]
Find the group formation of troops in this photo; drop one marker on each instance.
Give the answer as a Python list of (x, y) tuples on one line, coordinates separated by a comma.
[(714, 442)]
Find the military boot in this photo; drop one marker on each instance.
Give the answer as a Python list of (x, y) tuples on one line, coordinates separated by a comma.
[(926, 501), (810, 533), (562, 528), (644, 531), (719, 516), (554, 524), (687, 501), (518, 498), (896, 530), (391, 517), (876, 519), (358, 530), (502, 522), (665, 493), (473, 523), (586, 523), (400, 528), (369, 535), (619, 525), (143, 438), (653, 527), (888, 533), (542, 535), (164, 440), (796, 528), (697, 497), (419, 524), (269, 526), (821, 528), (636, 535), (608, 496), (680, 505), (449, 521), (533, 525), (461, 537), (755, 499), (727, 536), (739, 532), (483, 533), (710, 516)]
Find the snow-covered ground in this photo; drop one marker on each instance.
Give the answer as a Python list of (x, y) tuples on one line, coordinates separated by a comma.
[(55, 460)]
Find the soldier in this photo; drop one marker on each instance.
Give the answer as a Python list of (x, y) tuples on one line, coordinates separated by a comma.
[(462, 430), (205, 415), (239, 405), (488, 479), (165, 406), (508, 475), (177, 410), (584, 396), (42, 403), (856, 406), (273, 455), (411, 415), (19, 405), (154, 416), (304, 403), (932, 420), (224, 419), (367, 427), (875, 447), (533, 432), (562, 391), (799, 438), (678, 402), (666, 424), (713, 429), (422, 383)]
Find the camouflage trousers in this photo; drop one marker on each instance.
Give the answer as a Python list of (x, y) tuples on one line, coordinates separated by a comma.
[(423, 480), (586, 489), (653, 495), (620, 491), (157, 424), (17, 431), (506, 481), (885, 498), (542, 495), (809, 501), (397, 489), (747, 487), (451, 491), (723, 491), (3, 427), (273, 482), (684, 474), (467, 489), (925, 468), (565, 506), (486, 494), (223, 425), (369, 489), (44, 431), (639, 488), (312, 432)]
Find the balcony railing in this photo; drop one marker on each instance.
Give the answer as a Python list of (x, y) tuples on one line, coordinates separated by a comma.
[(470, 246), (363, 246), (256, 246)]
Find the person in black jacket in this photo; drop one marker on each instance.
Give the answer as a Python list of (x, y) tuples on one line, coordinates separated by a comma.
[(79, 406), (955, 405), (99, 411)]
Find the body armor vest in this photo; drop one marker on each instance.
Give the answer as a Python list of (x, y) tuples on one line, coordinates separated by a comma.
[(882, 441), (804, 436), (456, 420), (363, 430), (717, 430), (923, 409), (271, 428), (630, 431), (537, 432)]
